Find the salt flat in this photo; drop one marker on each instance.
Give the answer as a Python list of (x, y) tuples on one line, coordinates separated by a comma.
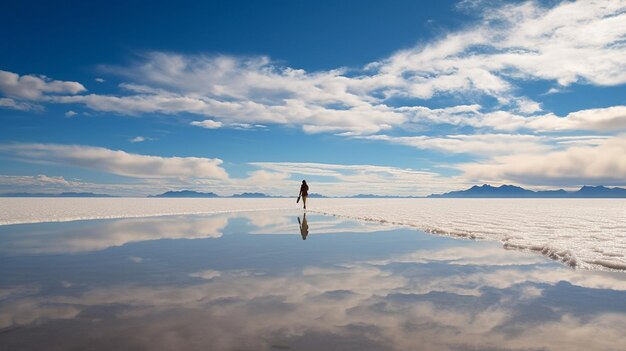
[(583, 233)]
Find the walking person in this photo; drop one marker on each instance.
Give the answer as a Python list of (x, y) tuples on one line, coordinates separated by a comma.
[(304, 193)]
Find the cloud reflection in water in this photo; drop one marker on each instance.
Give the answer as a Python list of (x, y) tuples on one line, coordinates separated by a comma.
[(438, 294)]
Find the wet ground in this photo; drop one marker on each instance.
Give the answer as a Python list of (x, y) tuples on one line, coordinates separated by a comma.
[(276, 280)]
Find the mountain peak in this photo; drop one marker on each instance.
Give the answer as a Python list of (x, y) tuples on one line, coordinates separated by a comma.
[(599, 187), (513, 191)]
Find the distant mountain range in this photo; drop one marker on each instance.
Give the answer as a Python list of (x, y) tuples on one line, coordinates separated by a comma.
[(70, 194), (251, 195), (512, 191)]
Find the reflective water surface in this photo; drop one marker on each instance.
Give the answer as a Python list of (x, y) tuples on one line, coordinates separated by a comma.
[(248, 281)]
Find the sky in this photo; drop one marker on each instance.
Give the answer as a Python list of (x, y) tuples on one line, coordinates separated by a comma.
[(357, 97)]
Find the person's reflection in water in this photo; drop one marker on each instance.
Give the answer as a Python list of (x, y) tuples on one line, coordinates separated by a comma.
[(304, 226)]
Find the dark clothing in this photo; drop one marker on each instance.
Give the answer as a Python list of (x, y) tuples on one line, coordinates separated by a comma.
[(304, 227), (304, 190)]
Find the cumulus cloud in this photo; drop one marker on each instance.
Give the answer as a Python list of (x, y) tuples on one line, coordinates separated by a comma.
[(211, 124), (479, 67), (479, 144), (570, 42), (117, 162), (30, 87), (607, 119), (311, 117), (207, 123), (41, 179), (240, 91), (70, 113), (577, 165), (53, 184), (244, 126), (16, 105), (511, 43), (599, 119)]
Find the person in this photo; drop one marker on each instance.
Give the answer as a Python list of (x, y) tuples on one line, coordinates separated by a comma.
[(304, 192)]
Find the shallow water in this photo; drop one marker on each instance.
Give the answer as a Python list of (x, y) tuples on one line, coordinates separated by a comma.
[(239, 281), (581, 233)]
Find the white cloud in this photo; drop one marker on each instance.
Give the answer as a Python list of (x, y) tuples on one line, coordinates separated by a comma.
[(15, 105), (576, 165), (607, 119), (563, 44), (243, 126), (479, 144), (117, 162), (571, 42), (211, 124), (207, 123), (527, 106), (100, 80), (207, 274), (598, 119), (70, 113), (552, 91), (56, 184), (313, 118), (588, 140), (41, 179), (263, 177), (30, 87), (139, 139)]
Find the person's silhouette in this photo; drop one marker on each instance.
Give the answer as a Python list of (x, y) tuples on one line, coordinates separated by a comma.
[(304, 193), (304, 226)]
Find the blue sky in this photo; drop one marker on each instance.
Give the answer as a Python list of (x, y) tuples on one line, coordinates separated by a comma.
[(398, 98)]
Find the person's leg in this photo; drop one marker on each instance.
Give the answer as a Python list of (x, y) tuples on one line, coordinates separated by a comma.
[(304, 201)]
